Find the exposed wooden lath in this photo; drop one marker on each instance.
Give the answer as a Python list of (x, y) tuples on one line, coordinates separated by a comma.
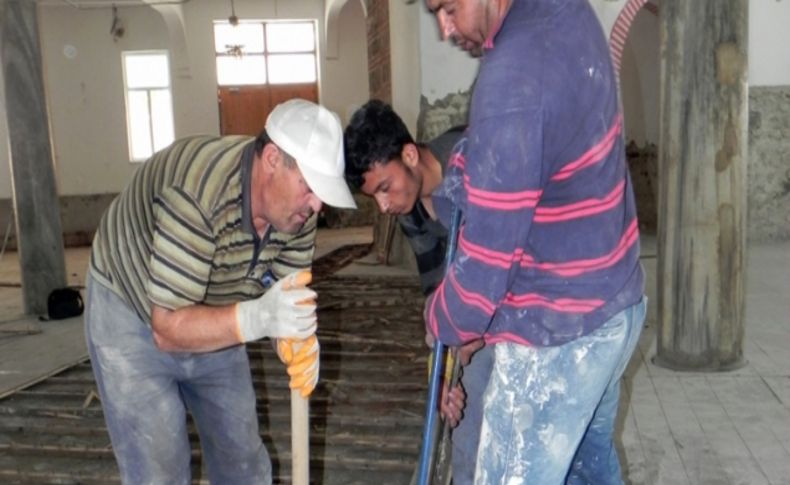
[(366, 414)]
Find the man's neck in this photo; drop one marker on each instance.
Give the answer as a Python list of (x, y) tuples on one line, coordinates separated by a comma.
[(259, 222), (431, 171)]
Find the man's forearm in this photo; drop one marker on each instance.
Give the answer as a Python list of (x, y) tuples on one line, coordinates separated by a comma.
[(195, 328)]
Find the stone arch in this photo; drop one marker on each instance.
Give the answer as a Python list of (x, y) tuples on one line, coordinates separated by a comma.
[(173, 15), (622, 25), (331, 24), (637, 76)]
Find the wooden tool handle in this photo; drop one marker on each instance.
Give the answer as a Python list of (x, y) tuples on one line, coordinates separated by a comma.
[(300, 438), (300, 412), (300, 434)]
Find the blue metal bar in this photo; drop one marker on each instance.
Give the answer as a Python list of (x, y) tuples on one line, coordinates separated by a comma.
[(429, 435)]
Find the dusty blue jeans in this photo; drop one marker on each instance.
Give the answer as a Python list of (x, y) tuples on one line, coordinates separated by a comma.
[(145, 394), (549, 412)]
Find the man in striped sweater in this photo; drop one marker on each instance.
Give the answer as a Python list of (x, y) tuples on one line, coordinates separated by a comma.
[(385, 163), (209, 247), (547, 269)]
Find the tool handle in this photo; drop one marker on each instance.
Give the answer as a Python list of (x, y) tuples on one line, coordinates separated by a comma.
[(300, 437), (429, 433), (442, 474)]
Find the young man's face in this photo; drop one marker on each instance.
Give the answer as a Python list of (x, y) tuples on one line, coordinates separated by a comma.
[(394, 185), (465, 22)]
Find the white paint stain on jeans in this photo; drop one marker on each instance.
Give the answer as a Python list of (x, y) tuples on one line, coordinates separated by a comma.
[(555, 443)]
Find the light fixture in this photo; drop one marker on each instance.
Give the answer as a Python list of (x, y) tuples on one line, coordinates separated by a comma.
[(235, 50), (233, 20), (116, 28)]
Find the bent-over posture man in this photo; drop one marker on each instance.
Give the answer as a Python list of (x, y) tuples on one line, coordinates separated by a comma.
[(209, 247), (383, 161)]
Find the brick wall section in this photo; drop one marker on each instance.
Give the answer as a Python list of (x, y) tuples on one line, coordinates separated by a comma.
[(380, 84), (378, 26)]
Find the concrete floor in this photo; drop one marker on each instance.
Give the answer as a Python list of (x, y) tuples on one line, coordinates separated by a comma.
[(676, 428)]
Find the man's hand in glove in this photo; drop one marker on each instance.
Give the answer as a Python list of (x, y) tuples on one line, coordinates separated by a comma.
[(286, 310), (302, 359)]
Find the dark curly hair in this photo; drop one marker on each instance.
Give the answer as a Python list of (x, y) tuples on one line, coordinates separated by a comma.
[(375, 134)]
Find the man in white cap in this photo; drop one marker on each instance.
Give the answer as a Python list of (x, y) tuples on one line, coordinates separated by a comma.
[(209, 247)]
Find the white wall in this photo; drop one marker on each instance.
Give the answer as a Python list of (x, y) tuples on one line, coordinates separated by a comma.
[(85, 93), (345, 79), (769, 64), (608, 11), (639, 80), (405, 60), (444, 69), (769, 38)]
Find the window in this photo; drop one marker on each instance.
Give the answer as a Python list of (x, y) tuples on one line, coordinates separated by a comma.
[(149, 105), (261, 52)]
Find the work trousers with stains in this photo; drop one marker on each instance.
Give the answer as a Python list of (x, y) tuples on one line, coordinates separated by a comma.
[(145, 394), (549, 412)]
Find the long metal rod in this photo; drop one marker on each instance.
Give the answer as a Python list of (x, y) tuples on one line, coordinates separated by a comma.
[(429, 434)]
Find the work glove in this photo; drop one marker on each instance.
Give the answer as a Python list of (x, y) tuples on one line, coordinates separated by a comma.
[(286, 310), (302, 359)]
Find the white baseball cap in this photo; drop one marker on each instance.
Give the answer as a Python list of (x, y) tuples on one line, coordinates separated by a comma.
[(313, 136)]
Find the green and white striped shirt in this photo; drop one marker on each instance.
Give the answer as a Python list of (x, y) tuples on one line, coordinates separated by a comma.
[(181, 233)]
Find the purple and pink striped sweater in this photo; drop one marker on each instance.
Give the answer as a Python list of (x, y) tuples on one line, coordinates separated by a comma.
[(549, 245)]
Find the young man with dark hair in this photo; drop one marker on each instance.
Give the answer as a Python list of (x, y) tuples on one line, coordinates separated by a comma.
[(385, 163)]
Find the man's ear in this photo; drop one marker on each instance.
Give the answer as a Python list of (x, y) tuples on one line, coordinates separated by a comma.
[(270, 157), (410, 155)]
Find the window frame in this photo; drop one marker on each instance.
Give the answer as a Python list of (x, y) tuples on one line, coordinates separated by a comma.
[(168, 88), (267, 53)]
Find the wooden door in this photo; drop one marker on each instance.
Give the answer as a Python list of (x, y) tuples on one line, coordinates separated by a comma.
[(244, 109)]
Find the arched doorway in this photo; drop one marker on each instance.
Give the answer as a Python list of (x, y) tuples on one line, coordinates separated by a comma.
[(634, 42)]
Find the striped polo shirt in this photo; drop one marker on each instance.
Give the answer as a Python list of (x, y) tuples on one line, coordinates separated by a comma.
[(181, 232)]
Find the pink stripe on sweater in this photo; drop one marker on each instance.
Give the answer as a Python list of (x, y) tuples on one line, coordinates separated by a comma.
[(488, 256), (562, 305), (465, 336), (439, 294), (581, 209), (593, 155), (581, 266), (501, 206), (432, 322), (505, 201), (470, 298), (506, 337), (503, 196), (457, 160)]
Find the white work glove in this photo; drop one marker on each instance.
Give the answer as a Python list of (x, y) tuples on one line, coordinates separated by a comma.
[(286, 310)]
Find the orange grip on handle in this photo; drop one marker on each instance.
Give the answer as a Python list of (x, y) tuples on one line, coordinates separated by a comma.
[(302, 279)]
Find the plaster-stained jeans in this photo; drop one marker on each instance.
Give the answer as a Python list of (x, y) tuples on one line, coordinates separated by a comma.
[(549, 412), (145, 393)]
